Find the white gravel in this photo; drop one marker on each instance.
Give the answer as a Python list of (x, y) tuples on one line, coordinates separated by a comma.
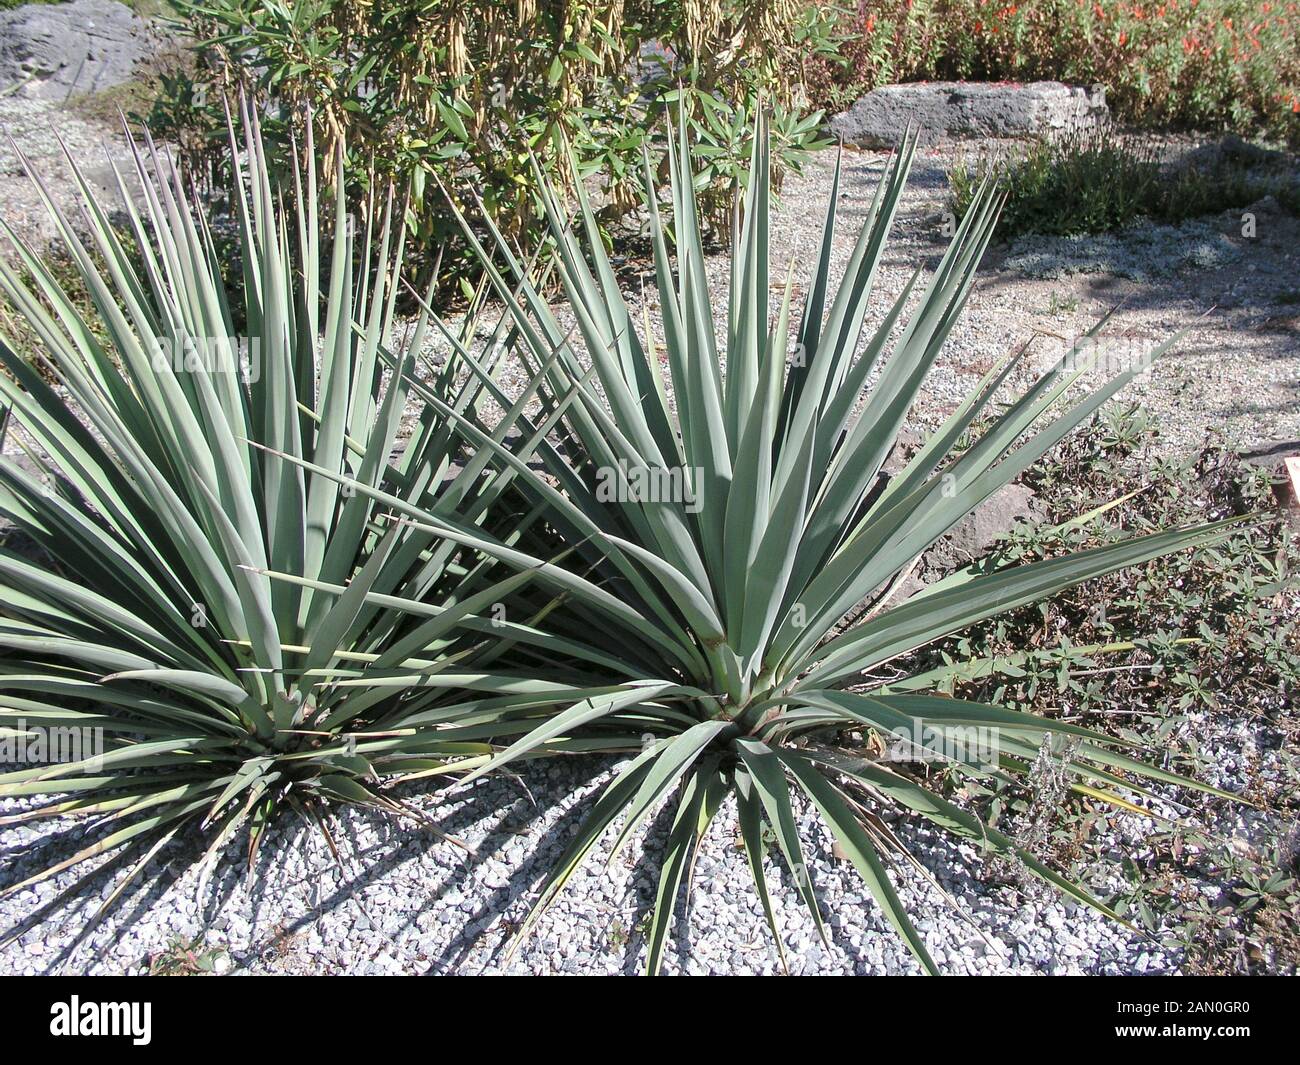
[(404, 901)]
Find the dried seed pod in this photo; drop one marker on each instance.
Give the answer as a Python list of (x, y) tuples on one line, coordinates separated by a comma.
[(457, 50)]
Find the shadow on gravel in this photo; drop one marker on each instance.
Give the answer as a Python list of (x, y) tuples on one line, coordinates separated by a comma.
[(356, 866), (523, 880), (370, 847)]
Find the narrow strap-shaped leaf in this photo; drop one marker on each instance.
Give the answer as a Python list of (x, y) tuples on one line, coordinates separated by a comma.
[(575, 717), (857, 845), (955, 820), (915, 623), (749, 810), (774, 794), (681, 841), (674, 759)]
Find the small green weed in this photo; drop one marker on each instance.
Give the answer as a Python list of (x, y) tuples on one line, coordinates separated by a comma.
[(1099, 180), (189, 957)]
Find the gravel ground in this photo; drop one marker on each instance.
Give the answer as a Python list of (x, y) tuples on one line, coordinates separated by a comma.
[(402, 900), (41, 130), (1236, 370)]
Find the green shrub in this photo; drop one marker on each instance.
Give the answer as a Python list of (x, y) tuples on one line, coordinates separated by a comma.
[(1183, 633), (1209, 631), (1075, 184), (739, 548), (1227, 64), (723, 139), (464, 95), (1091, 182), (262, 605)]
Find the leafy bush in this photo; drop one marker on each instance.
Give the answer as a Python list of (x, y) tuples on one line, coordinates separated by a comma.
[(465, 95), (1090, 182), (194, 582), (739, 547), (723, 137), (1082, 183), (1231, 64)]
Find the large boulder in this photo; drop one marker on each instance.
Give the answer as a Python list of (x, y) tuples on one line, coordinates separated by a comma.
[(54, 51), (968, 109), (974, 538)]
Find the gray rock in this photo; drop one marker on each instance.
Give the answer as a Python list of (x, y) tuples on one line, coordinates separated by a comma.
[(990, 520), (1272, 456), (56, 50), (968, 109), (1279, 459), (906, 444), (907, 587)]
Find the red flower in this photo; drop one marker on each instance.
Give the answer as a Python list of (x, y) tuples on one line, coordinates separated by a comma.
[(1123, 36)]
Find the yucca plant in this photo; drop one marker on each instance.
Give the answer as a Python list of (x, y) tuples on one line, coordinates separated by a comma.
[(737, 544), (206, 576)]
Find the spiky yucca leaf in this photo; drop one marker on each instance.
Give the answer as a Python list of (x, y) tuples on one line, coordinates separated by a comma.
[(207, 577), (735, 533)]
